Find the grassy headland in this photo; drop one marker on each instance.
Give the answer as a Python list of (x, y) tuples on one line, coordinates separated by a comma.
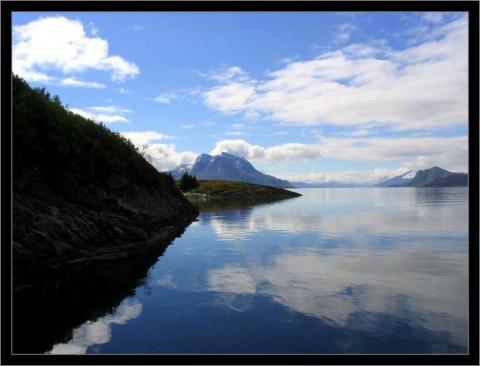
[(219, 189)]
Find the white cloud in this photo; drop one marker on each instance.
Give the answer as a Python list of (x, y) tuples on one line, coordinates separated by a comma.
[(93, 29), (412, 152), (105, 114), (163, 157), (344, 31), (31, 75), (110, 109), (62, 44), (140, 138), (433, 17), (230, 98), (165, 98), (361, 132), (420, 87), (291, 152), (350, 177), (409, 152), (86, 84), (188, 126), (236, 133), (229, 74)]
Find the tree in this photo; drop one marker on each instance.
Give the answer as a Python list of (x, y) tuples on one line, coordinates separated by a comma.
[(188, 182), (144, 152)]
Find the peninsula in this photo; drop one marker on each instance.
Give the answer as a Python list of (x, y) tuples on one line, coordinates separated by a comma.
[(218, 189)]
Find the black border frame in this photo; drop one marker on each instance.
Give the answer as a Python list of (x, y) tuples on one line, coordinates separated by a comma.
[(472, 7)]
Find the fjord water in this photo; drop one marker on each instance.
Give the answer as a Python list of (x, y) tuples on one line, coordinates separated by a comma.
[(361, 270)]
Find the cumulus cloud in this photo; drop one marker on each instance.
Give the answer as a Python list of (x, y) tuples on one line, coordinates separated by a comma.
[(104, 114), (143, 137), (419, 87), (409, 152), (164, 157), (62, 44), (414, 152), (230, 98), (291, 152)]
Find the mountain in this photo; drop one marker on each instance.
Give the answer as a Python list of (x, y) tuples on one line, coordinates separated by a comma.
[(437, 177), (433, 177), (82, 192), (396, 181), (228, 167)]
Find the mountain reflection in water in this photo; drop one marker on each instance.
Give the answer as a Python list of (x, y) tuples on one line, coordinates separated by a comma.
[(363, 270)]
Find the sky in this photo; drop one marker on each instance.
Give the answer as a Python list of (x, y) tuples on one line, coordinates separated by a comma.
[(351, 97)]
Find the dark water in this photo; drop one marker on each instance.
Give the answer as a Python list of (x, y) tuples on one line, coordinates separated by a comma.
[(364, 270)]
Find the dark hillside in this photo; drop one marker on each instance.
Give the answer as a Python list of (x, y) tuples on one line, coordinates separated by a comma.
[(79, 189)]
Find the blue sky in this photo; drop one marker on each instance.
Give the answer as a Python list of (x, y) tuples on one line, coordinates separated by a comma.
[(351, 97)]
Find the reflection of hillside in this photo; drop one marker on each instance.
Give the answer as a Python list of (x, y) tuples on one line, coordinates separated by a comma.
[(214, 205), (48, 312)]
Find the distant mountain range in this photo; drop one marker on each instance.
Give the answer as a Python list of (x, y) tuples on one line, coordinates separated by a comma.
[(398, 180), (433, 177), (230, 168)]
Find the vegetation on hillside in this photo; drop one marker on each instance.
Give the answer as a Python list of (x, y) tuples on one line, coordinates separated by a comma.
[(187, 182), (52, 142), (80, 190)]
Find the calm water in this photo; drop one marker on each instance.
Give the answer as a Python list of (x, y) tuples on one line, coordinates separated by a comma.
[(361, 270)]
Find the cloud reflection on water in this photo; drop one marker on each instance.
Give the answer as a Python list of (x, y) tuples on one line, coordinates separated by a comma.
[(419, 275), (416, 213), (432, 287), (99, 331)]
